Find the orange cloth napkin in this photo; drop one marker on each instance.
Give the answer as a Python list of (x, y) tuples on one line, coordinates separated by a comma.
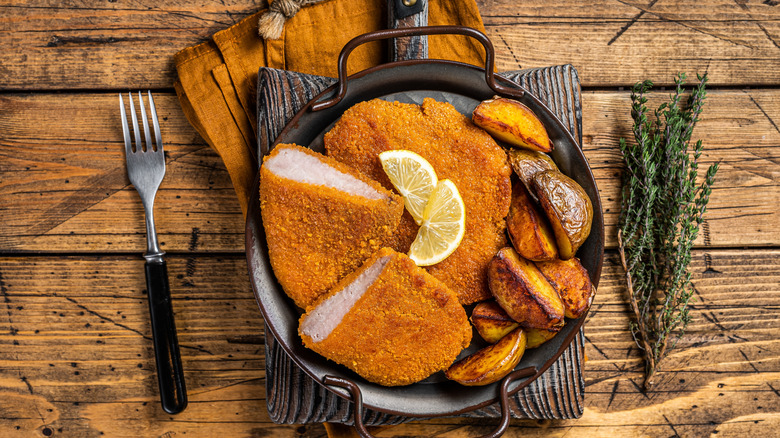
[(217, 79)]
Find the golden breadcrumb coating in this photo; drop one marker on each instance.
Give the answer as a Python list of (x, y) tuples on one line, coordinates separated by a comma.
[(458, 150), (316, 235), (406, 326)]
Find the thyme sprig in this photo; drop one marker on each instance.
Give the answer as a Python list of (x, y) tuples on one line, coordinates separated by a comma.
[(662, 208)]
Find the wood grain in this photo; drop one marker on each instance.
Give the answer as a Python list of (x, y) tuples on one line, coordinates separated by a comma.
[(739, 129), (77, 353), (77, 340), (117, 45), (414, 47), (74, 325), (59, 184), (87, 44), (610, 42), (64, 184)]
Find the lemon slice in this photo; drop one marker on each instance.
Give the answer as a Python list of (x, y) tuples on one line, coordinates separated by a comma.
[(412, 176), (443, 226)]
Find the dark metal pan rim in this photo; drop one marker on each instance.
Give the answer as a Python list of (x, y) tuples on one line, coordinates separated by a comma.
[(253, 223)]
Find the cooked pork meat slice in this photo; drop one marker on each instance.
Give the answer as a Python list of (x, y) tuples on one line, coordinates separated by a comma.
[(300, 165), (329, 313), (390, 321), (322, 219)]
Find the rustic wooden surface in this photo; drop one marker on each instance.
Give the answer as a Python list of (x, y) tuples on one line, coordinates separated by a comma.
[(76, 358)]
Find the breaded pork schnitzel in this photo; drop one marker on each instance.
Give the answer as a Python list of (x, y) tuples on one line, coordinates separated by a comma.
[(322, 219), (458, 150), (390, 321)]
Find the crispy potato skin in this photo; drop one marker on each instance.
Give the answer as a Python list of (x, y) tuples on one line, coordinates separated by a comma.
[(528, 229), (491, 321), (537, 337), (527, 163), (316, 235), (567, 207), (523, 291), (511, 121), (491, 363), (572, 282)]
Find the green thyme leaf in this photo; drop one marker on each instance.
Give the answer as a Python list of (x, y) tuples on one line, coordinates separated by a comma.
[(662, 208)]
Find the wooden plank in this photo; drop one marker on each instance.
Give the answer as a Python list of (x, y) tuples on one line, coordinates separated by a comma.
[(77, 350), (610, 43), (64, 183), (76, 353), (622, 42), (723, 377), (739, 129), (53, 199), (88, 44)]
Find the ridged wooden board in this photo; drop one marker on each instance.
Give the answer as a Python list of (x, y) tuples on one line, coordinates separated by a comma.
[(292, 396), (416, 15), (272, 113)]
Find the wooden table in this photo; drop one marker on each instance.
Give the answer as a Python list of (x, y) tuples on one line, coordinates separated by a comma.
[(76, 356)]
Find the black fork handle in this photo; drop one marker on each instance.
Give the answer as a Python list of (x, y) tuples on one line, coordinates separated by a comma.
[(173, 394)]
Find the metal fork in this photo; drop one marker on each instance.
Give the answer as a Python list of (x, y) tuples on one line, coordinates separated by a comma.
[(146, 169)]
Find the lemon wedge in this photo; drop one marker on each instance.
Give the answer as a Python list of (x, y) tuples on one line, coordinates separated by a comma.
[(442, 228), (412, 176)]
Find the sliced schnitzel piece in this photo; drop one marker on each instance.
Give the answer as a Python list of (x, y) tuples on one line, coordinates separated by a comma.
[(390, 321), (322, 219), (459, 151)]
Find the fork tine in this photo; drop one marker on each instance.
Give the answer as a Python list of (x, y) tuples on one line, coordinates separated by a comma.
[(125, 128), (138, 145), (153, 110), (147, 137)]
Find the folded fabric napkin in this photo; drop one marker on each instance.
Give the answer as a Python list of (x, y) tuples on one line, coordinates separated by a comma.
[(217, 79)]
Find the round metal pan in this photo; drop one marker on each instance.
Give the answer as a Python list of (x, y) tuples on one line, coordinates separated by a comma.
[(411, 81)]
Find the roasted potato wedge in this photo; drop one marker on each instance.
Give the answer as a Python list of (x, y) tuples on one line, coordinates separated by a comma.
[(527, 163), (523, 291), (491, 363), (491, 321), (537, 337), (528, 229), (567, 207), (572, 282), (511, 121)]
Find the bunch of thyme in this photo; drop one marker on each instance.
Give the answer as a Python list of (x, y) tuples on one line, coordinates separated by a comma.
[(661, 211)]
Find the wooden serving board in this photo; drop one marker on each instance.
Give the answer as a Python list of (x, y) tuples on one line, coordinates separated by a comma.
[(292, 396)]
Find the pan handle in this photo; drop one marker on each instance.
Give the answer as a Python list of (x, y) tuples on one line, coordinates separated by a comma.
[(490, 56), (357, 399), (504, 394), (503, 398)]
